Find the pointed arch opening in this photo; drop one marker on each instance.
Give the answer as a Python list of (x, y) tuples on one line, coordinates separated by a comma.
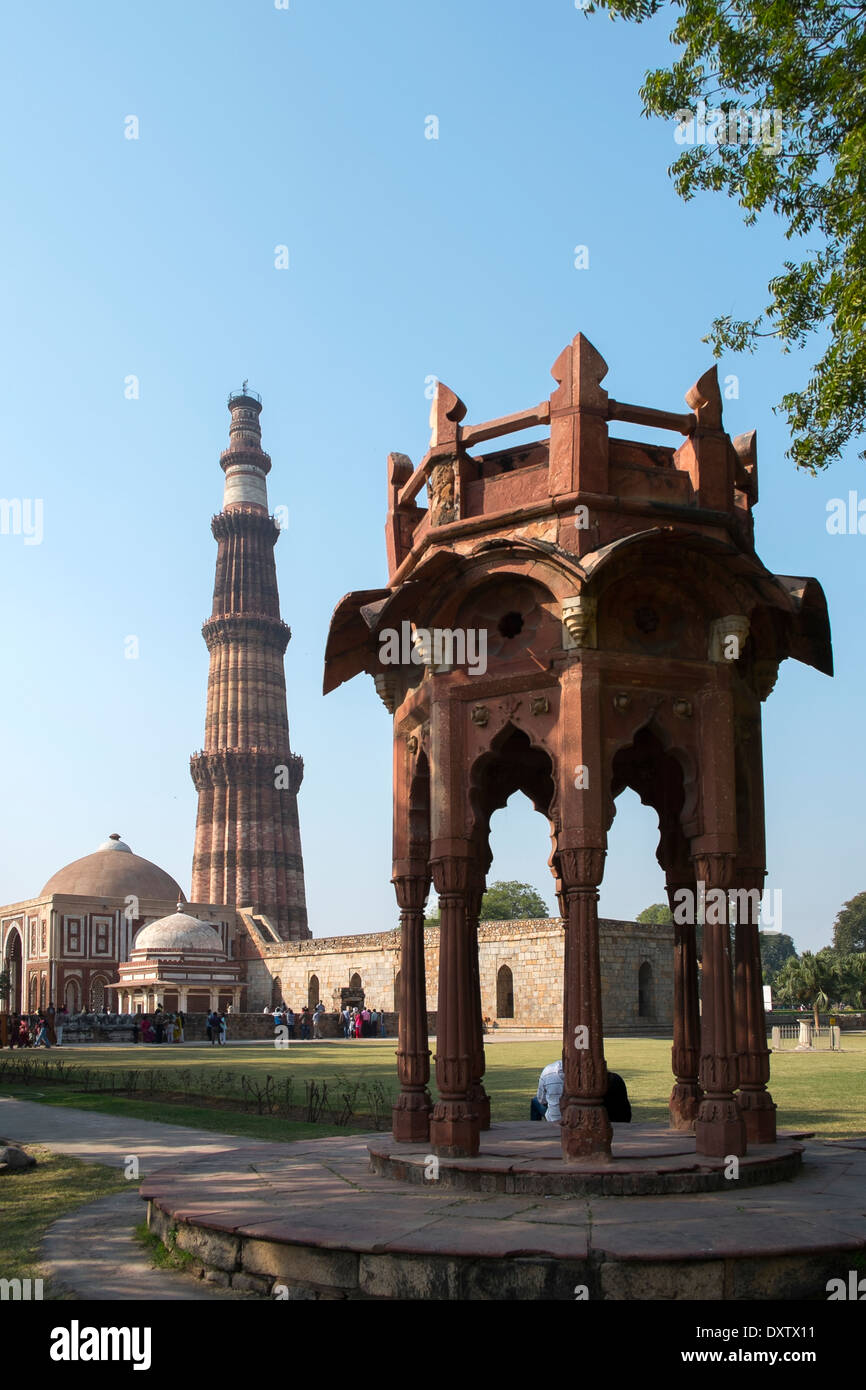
[(645, 992), (504, 992), (13, 961)]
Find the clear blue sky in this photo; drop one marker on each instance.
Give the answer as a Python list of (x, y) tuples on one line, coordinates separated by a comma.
[(408, 257)]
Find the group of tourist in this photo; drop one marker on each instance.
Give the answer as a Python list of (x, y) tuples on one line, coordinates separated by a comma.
[(161, 1027), (353, 1022), (38, 1030), (305, 1022), (362, 1023)]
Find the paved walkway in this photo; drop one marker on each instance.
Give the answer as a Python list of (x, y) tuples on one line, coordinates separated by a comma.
[(91, 1252)]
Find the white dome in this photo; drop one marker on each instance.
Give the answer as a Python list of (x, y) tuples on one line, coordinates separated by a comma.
[(179, 933)]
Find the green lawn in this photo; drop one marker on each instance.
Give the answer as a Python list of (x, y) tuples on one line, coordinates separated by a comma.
[(30, 1201), (821, 1091)]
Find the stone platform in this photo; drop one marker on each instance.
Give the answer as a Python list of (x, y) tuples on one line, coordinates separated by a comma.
[(645, 1161), (318, 1223)]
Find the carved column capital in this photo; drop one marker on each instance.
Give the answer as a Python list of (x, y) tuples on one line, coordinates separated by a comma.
[(453, 875), (578, 616), (411, 891), (581, 868), (715, 870)]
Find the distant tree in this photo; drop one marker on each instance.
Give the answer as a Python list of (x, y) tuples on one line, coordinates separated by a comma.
[(776, 948), (656, 915), (849, 929), (852, 973), (512, 901), (503, 902)]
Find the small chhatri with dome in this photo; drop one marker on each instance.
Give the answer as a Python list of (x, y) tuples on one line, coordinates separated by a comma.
[(180, 962)]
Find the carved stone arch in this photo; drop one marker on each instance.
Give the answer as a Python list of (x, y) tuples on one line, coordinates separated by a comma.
[(419, 809), (440, 591), (691, 585), (556, 570), (664, 777), (512, 762)]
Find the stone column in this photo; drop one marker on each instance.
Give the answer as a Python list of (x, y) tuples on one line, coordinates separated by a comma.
[(685, 1053), (479, 1096), (411, 1114), (454, 1126), (586, 1129), (756, 1104), (719, 1128)]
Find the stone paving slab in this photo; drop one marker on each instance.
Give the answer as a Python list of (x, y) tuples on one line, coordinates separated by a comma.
[(470, 1238)]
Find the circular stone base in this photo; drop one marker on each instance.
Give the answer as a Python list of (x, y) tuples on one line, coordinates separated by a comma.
[(309, 1220), (526, 1158)]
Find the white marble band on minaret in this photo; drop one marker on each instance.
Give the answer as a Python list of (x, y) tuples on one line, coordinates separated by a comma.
[(244, 462)]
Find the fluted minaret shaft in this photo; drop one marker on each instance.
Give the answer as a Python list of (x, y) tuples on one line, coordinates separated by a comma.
[(248, 841)]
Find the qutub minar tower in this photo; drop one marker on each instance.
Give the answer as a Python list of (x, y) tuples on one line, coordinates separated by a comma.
[(247, 840)]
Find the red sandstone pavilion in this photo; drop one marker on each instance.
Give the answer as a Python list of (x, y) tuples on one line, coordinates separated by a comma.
[(630, 635)]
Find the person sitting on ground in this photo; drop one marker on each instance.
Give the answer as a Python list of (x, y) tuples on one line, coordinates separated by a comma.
[(546, 1102)]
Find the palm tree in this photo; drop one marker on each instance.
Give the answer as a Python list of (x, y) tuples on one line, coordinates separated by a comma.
[(808, 979)]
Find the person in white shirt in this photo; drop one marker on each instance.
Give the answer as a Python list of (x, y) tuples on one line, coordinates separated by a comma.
[(549, 1093), (546, 1102)]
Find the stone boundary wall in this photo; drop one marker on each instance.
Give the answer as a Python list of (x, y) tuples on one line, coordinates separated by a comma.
[(533, 951)]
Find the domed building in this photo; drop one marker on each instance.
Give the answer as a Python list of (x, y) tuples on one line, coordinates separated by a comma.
[(66, 945), (180, 962), (105, 874)]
